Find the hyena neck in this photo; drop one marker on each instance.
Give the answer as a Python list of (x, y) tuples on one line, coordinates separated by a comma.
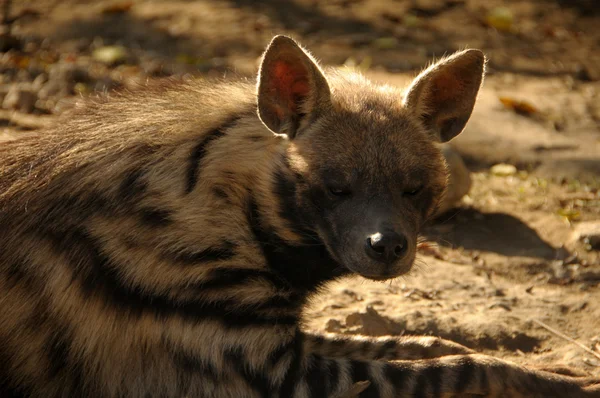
[(291, 248)]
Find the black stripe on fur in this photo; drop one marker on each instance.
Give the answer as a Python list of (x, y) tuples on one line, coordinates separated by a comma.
[(200, 150), (99, 275)]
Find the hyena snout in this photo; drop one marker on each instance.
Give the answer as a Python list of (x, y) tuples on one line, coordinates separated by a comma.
[(387, 246)]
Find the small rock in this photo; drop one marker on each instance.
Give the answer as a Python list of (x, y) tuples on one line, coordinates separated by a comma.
[(110, 55), (50, 89), (61, 80), (39, 81), (21, 98), (560, 274), (588, 232), (68, 72), (503, 170)]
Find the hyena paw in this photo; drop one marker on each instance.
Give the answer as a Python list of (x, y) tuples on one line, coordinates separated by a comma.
[(561, 370), (589, 385), (427, 347), (441, 347), (590, 382), (593, 391)]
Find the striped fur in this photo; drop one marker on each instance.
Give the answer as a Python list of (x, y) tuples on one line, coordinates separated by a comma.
[(154, 244)]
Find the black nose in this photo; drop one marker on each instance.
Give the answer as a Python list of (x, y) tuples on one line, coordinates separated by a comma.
[(386, 247)]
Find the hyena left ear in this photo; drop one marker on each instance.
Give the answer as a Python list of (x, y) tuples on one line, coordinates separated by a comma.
[(292, 90), (444, 94)]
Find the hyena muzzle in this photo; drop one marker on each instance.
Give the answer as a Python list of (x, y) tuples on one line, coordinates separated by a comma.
[(162, 243)]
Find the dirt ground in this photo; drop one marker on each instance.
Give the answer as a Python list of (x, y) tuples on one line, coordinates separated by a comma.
[(507, 273)]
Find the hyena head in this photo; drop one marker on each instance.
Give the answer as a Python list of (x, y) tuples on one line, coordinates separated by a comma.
[(364, 159)]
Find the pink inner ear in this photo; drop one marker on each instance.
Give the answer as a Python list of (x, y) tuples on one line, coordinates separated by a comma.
[(290, 83), (446, 87)]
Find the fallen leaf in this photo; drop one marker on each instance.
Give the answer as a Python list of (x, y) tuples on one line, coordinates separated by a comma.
[(500, 18), (521, 107), (569, 214)]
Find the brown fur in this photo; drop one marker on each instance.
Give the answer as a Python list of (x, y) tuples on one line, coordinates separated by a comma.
[(158, 243)]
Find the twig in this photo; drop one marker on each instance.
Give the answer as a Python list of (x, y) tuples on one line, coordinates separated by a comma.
[(564, 336)]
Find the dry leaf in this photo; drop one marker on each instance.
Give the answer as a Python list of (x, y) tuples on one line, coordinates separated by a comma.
[(569, 214), (520, 107), (500, 18)]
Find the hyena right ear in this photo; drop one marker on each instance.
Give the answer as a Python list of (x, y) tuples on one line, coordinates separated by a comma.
[(444, 94), (292, 90)]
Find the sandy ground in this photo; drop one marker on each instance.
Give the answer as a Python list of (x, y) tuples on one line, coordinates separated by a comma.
[(507, 274)]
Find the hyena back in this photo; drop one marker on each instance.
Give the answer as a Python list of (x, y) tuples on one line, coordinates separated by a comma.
[(163, 242)]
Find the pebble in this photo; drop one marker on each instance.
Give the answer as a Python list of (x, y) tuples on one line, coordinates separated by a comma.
[(503, 170), (20, 97), (588, 232), (39, 81), (110, 55), (61, 80)]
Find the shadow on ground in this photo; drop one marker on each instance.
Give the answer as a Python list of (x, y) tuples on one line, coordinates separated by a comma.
[(491, 232)]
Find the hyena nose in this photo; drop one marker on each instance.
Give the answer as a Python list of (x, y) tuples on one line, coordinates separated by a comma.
[(386, 247)]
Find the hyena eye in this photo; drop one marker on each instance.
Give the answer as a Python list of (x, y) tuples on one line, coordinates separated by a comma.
[(413, 192), (339, 192)]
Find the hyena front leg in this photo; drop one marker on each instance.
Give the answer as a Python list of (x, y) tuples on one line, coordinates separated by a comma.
[(450, 376), (377, 348)]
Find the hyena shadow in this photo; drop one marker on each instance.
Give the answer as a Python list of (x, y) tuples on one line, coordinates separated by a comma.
[(498, 233)]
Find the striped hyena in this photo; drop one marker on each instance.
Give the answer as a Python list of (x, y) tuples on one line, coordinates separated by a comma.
[(163, 242)]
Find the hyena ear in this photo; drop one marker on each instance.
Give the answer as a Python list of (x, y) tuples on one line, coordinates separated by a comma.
[(444, 94), (292, 90)]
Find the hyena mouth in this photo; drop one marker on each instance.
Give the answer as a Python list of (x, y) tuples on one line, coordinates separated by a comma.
[(388, 274), (377, 272)]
